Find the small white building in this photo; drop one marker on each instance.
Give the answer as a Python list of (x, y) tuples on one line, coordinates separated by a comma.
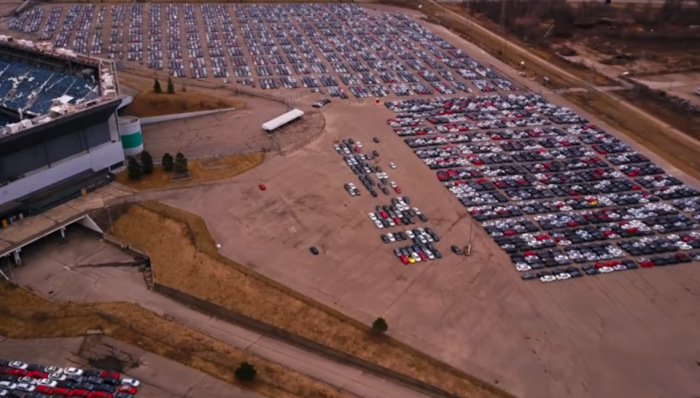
[(284, 119)]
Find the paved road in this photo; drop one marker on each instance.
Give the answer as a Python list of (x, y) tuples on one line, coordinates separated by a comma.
[(50, 270)]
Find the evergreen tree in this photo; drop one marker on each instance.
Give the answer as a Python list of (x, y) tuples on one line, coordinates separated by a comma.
[(180, 163), (134, 170), (156, 87), (146, 163), (168, 162), (171, 86)]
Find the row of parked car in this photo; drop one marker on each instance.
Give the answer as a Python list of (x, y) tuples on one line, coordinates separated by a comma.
[(25, 380), (390, 43), (556, 194)]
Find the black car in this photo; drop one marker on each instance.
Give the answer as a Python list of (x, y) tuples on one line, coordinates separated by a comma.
[(528, 276), (385, 239), (376, 140), (456, 250), (375, 153), (314, 250), (423, 217)]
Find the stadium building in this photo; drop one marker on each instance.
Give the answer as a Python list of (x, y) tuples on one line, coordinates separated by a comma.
[(59, 133)]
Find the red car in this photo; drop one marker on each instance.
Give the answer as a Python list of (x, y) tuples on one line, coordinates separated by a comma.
[(102, 394), (127, 389), (44, 389), (110, 374), (79, 392), (423, 257), (404, 259), (397, 189), (384, 214), (17, 372), (65, 392), (397, 220)]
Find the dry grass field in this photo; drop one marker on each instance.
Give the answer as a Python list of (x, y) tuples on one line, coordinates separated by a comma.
[(184, 257), (25, 315), (147, 104), (201, 171)]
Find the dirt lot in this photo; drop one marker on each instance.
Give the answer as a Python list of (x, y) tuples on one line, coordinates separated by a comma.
[(474, 312), (147, 104), (226, 133)]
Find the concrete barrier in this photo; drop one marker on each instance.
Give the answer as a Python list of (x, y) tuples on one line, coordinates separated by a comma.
[(178, 116)]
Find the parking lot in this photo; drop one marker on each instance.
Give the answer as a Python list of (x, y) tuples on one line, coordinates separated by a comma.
[(554, 198), (161, 377), (473, 312), (294, 46)]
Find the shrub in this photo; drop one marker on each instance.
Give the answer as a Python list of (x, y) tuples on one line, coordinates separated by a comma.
[(134, 170), (168, 162), (180, 163), (146, 163), (245, 372), (380, 325)]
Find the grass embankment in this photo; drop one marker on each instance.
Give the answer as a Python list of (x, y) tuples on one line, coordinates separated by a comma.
[(201, 170), (184, 256), (24, 315), (148, 104)]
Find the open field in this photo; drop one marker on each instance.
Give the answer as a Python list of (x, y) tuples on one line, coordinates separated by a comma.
[(203, 170)]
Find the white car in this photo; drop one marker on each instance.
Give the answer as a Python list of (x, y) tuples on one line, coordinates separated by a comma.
[(391, 237), (47, 383), (547, 279), (73, 371), (605, 270), (131, 383), (378, 224), (4, 393), (392, 165), (372, 216), (410, 234), (562, 276), (26, 379), (53, 369), (393, 184), (8, 385), (57, 376), (17, 365), (522, 267), (25, 387), (358, 144)]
